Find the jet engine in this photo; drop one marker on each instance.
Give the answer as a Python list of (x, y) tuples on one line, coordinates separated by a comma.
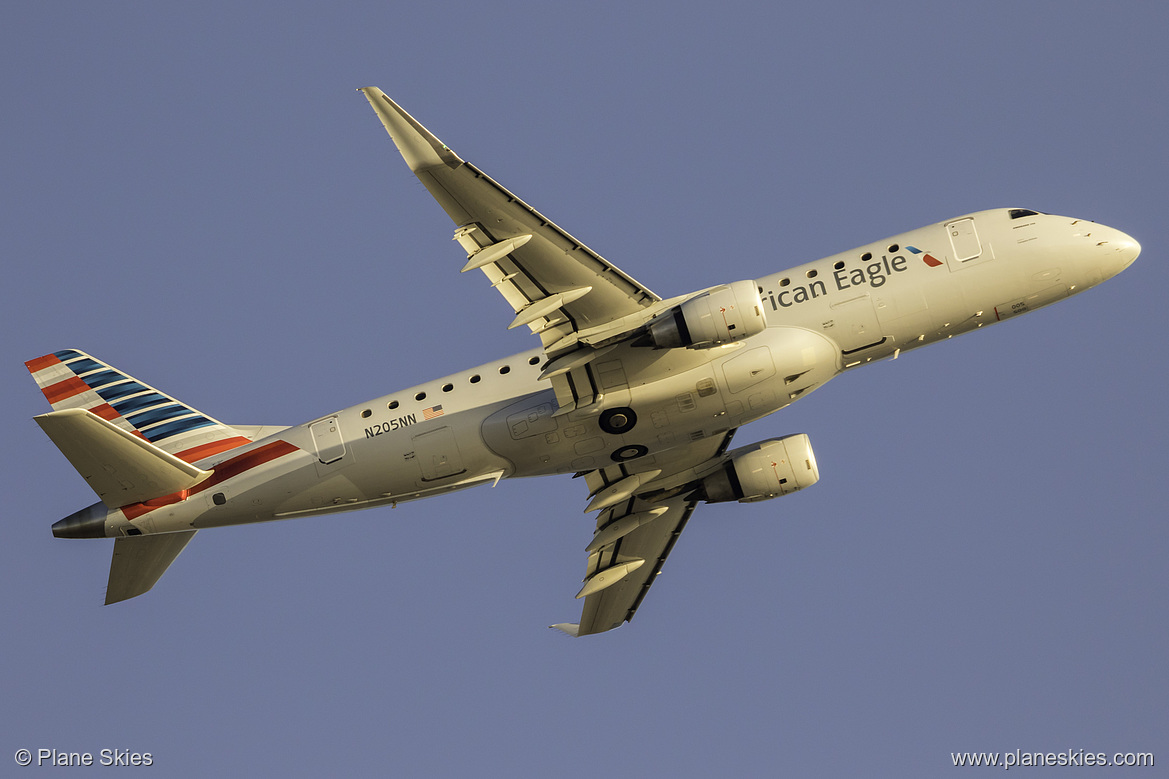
[(763, 471), (721, 315)]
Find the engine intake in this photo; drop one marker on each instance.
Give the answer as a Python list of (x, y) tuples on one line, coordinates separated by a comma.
[(763, 471), (724, 314)]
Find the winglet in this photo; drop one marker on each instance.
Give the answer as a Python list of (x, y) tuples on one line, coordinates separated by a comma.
[(568, 628), (418, 145)]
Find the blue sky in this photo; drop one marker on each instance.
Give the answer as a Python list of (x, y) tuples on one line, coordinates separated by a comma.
[(197, 195)]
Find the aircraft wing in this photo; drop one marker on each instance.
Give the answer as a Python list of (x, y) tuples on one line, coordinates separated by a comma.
[(555, 284), (634, 560), (635, 534)]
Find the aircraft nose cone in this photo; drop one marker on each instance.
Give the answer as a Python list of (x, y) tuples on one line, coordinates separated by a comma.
[(87, 523), (1119, 250), (1128, 249)]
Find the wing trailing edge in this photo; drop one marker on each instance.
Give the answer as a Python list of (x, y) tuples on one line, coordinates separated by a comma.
[(642, 516)]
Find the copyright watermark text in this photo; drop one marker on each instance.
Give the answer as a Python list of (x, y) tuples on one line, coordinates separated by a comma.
[(104, 757), (1069, 757)]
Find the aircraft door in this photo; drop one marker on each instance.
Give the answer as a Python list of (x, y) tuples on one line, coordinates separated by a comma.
[(437, 454), (327, 439), (964, 240)]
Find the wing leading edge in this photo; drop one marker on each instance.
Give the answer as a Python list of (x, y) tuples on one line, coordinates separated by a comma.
[(554, 283)]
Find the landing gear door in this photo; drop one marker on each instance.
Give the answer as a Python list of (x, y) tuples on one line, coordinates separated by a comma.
[(964, 240)]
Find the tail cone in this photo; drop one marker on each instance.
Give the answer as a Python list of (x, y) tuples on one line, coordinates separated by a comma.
[(87, 523)]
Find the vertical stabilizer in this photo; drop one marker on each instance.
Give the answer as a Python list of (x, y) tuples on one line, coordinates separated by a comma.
[(71, 379)]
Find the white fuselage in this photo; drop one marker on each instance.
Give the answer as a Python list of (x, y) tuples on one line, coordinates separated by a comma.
[(499, 419)]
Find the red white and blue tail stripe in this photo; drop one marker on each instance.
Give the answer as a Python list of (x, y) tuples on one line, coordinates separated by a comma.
[(73, 379)]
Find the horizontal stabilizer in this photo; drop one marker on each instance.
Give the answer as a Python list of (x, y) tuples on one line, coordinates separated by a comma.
[(139, 562), (121, 467)]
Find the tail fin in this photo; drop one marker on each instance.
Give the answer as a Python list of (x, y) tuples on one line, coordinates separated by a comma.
[(71, 379)]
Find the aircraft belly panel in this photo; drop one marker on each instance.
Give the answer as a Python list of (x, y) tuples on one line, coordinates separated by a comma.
[(748, 369), (437, 454), (855, 324), (539, 443)]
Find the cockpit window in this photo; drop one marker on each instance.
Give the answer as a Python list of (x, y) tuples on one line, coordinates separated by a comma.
[(1019, 213)]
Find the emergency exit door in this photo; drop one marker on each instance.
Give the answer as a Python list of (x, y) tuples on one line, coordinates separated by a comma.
[(328, 441), (964, 240)]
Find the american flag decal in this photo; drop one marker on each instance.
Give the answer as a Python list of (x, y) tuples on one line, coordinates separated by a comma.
[(432, 412)]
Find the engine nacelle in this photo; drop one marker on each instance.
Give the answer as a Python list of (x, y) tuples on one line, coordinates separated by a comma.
[(722, 315), (763, 471)]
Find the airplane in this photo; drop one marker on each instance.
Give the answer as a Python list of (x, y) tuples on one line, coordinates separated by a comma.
[(637, 395)]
